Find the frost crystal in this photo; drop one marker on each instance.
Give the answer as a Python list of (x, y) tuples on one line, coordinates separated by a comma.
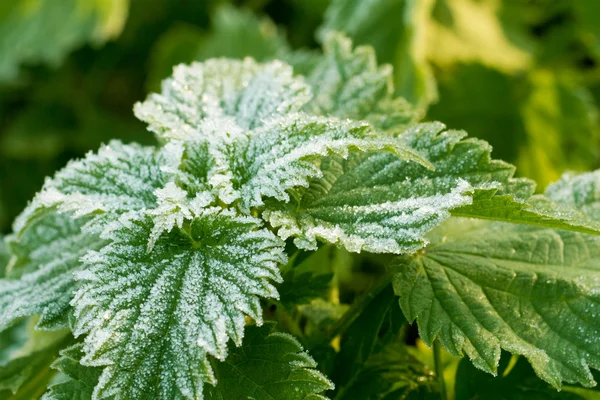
[(149, 315)]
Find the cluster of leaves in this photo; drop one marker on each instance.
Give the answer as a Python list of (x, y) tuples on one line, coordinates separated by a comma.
[(299, 187)]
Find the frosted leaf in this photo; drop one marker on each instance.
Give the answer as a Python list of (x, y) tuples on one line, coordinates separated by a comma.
[(40, 276), (482, 287), (174, 207), (497, 195), (580, 191), (118, 178), (159, 314), (268, 366), (221, 98), (284, 153), (388, 220), (348, 83), (379, 202)]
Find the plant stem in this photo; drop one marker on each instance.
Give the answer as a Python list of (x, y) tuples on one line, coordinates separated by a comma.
[(439, 369)]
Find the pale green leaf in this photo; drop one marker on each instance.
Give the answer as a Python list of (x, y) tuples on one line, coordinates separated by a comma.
[(482, 287), (268, 366), (40, 277), (75, 381), (28, 368), (395, 30), (151, 318), (580, 191), (35, 31), (348, 83)]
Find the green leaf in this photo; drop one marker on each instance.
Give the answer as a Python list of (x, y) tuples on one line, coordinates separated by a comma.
[(27, 370), (151, 318), (391, 373), (497, 195), (483, 287), (358, 341), (380, 203), (348, 83), (117, 179), (75, 381), (244, 137), (516, 380), (580, 191), (537, 210), (268, 366), (40, 278), (394, 29), (281, 155), (47, 30)]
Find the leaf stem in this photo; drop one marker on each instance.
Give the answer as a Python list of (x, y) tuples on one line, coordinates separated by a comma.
[(439, 369)]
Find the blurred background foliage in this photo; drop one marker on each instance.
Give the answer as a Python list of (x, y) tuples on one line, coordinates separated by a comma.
[(521, 74)]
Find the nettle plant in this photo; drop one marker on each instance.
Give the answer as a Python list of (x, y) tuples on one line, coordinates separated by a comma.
[(153, 270)]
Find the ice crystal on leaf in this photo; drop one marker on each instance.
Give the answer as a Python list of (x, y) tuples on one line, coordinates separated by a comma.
[(40, 275), (153, 315), (119, 178), (348, 83)]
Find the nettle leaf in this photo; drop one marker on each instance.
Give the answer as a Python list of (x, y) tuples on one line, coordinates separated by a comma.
[(151, 318), (281, 155), (219, 99), (26, 372), (380, 203), (269, 365), (40, 277), (74, 381), (117, 179), (243, 134), (530, 291), (349, 84), (497, 195), (47, 30), (580, 191), (392, 373)]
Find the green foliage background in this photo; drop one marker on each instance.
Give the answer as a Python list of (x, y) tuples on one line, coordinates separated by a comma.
[(523, 75)]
